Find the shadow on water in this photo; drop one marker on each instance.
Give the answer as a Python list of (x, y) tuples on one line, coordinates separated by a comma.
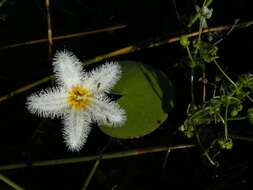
[(165, 93)]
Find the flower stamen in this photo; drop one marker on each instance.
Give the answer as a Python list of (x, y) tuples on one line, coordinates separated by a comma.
[(79, 97)]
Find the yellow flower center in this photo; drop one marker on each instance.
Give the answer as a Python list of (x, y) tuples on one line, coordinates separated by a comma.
[(79, 97)]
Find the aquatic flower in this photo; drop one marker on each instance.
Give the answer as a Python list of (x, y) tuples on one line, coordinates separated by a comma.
[(79, 98), (205, 13)]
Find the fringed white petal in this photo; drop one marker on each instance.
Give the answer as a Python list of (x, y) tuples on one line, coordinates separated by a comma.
[(76, 129), (48, 103), (68, 69), (103, 78), (106, 112)]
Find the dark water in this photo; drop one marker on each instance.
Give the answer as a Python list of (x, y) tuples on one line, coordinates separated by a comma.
[(26, 138)]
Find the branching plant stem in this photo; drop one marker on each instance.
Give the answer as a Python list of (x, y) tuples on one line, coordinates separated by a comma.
[(221, 70)]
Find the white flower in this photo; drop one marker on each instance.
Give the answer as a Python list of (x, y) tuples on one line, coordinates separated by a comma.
[(79, 99), (205, 13)]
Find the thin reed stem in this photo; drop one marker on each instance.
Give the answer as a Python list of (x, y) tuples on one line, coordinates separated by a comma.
[(63, 37), (49, 30), (10, 182), (113, 155), (92, 172), (123, 51)]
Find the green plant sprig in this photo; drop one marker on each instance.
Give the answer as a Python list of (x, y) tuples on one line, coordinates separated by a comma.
[(227, 104)]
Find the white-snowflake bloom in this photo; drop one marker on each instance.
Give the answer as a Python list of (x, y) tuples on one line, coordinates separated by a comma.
[(79, 98)]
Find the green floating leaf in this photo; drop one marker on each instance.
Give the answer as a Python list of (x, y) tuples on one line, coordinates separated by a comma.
[(146, 97)]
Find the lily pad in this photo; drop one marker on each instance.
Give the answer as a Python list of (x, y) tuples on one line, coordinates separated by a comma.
[(146, 97)]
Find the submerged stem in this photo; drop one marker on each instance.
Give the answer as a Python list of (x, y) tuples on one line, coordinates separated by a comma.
[(201, 24), (192, 74), (226, 123), (121, 154), (223, 72), (10, 182), (92, 172), (205, 151), (204, 83)]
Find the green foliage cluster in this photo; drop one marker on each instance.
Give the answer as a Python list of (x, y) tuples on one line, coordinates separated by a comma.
[(143, 93), (228, 101)]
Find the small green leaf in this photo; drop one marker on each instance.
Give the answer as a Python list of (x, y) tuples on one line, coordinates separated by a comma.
[(184, 41), (225, 143), (208, 52), (146, 97)]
